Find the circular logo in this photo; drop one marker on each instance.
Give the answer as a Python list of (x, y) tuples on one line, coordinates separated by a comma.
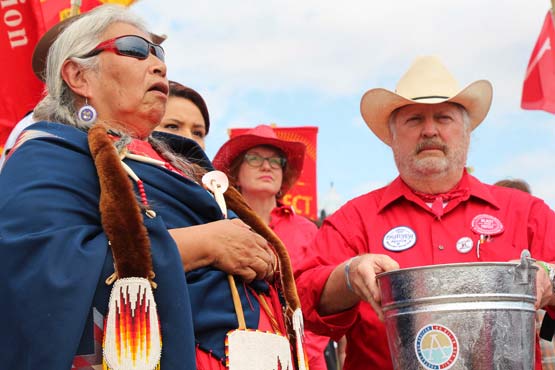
[(486, 225), (436, 347), (464, 244), (399, 238)]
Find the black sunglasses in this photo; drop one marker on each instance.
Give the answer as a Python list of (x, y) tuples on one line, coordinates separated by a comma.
[(129, 45)]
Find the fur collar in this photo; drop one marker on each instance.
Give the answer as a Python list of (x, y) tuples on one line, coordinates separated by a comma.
[(119, 210)]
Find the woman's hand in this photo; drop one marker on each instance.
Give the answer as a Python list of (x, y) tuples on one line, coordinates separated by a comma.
[(229, 245)]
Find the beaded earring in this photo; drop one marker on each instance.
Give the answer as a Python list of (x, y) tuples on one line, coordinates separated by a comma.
[(86, 114)]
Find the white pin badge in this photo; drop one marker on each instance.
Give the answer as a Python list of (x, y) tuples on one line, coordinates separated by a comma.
[(464, 244), (399, 239)]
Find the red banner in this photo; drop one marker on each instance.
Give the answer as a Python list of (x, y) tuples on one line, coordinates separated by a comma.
[(55, 11), (303, 195), (538, 91), (23, 22), (20, 90)]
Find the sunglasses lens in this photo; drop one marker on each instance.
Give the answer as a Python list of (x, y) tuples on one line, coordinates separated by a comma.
[(133, 46), (159, 52)]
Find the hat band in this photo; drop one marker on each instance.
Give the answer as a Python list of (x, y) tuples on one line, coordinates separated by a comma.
[(430, 97)]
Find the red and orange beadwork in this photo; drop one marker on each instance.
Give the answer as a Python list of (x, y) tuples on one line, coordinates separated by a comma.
[(132, 339)]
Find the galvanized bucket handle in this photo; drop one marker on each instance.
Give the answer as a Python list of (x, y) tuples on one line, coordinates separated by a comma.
[(523, 269)]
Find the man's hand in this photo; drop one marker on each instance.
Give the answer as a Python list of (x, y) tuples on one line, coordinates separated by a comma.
[(544, 287), (362, 276), (362, 271)]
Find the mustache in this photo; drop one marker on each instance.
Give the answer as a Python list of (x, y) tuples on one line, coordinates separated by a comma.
[(428, 144)]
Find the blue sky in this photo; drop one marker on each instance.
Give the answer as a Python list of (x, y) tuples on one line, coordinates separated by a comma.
[(308, 63)]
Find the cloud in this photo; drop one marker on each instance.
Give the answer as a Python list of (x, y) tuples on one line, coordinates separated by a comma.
[(273, 45), (535, 168), (229, 50), (250, 59)]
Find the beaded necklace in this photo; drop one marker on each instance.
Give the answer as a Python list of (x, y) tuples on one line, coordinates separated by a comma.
[(140, 185)]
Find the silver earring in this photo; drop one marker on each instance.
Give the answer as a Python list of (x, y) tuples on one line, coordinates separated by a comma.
[(86, 114)]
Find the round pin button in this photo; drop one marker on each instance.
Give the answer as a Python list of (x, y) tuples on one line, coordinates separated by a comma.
[(485, 224), (464, 244), (399, 239)]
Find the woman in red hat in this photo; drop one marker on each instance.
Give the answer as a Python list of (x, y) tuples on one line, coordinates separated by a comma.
[(263, 168)]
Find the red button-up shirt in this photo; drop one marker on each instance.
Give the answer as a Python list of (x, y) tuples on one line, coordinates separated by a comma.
[(361, 226)]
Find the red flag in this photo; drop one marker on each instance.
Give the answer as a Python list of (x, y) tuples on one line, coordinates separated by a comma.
[(55, 11), (21, 26), (538, 91), (303, 195)]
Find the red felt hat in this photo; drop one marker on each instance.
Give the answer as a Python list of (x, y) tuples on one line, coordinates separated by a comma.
[(263, 135)]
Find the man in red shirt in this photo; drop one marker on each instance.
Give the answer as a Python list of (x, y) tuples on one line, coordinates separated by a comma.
[(433, 213)]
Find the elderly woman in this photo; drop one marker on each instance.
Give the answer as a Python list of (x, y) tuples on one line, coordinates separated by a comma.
[(263, 168), (101, 221)]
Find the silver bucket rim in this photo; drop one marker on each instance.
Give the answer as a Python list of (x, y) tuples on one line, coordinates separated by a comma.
[(446, 265)]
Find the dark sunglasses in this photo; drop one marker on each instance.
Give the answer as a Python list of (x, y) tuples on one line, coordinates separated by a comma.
[(255, 160), (131, 46)]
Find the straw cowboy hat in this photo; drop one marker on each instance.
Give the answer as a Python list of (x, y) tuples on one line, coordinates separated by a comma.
[(40, 52), (263, 135), (426, 82)]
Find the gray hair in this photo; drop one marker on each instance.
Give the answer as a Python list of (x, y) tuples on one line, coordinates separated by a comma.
[(76, 40), (464, 112)]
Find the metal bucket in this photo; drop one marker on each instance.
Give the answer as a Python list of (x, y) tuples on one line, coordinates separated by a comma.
[(472, 316)]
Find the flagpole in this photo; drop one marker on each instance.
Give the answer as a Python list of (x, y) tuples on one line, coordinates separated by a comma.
[(76, 5)]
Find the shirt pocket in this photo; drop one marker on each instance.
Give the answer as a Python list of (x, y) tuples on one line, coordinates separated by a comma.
[(498, 250)]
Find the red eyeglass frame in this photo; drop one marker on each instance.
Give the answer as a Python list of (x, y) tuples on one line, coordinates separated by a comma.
[(110, 45)]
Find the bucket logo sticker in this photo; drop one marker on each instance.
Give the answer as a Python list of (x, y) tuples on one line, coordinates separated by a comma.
[(464, 244), (436, 347), (399, 239), (487, 225)]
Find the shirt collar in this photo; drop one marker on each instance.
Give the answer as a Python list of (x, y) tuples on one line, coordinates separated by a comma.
[(282, 209), (480, 190), (398, 189)]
